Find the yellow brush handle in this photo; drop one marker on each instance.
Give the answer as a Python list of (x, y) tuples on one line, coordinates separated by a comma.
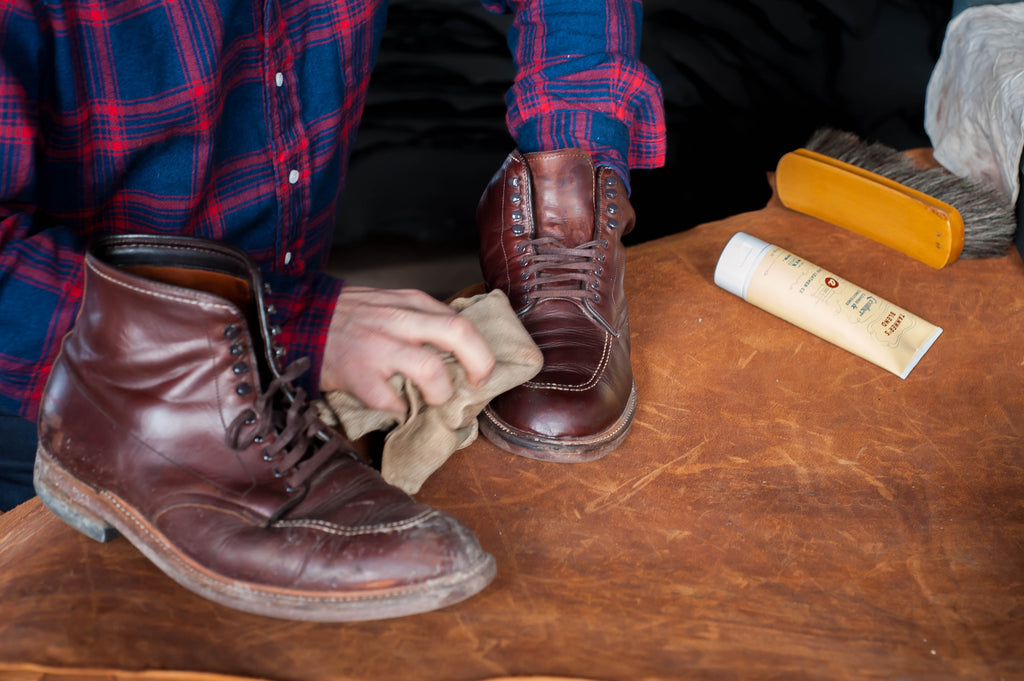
[(867, 203)]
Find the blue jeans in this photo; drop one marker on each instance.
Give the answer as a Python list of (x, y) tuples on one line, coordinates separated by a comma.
[(961, 5), (17, 455), (1019, 237)]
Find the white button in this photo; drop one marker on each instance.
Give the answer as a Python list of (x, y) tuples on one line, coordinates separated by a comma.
[(279, 79), (287, 257), (293, 176)]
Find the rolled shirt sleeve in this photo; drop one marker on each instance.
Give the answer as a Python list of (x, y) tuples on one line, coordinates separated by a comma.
[(580, 82)]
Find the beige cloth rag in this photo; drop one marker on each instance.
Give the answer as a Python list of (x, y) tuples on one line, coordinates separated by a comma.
[(425, 437)]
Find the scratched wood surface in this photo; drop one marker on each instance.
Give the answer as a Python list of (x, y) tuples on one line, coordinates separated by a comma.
[(781, 510)]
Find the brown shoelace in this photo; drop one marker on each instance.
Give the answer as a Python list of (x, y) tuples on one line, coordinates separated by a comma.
[(557, 271), (296, 448)]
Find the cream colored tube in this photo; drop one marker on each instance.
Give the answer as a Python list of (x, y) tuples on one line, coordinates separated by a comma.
[(818, 301)]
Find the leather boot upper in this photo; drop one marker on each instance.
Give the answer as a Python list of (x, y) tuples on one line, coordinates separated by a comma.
[(550, 228), (169, 402)]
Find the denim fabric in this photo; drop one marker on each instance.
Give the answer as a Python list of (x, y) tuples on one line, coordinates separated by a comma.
[(1019, 236), (17, 454), (961, 5)]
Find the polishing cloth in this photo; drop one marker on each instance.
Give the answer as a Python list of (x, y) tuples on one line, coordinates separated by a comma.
[(425, 436)]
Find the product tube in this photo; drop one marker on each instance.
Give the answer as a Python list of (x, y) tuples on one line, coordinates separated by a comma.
[(820, 302)]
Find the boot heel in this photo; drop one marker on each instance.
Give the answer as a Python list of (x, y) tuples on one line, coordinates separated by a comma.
[(68, 504)]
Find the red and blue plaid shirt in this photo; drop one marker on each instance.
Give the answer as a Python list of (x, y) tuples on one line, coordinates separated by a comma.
[(234, 121)]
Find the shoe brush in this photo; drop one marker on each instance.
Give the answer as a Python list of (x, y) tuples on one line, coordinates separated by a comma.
[(879, 192)]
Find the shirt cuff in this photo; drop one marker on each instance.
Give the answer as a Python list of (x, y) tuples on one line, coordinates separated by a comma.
[(606, 138)]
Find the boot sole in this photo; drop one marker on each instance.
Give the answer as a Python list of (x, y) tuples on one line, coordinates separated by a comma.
[(559, 450), (103, 516)]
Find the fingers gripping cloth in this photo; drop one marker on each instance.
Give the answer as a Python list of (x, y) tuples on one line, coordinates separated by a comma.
[(422, 439)]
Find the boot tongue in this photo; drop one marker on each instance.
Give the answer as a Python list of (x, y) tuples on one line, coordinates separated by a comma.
[(563, 196)]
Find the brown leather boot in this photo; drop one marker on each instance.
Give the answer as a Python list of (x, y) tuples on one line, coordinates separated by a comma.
[(168, 419), (550, 234)]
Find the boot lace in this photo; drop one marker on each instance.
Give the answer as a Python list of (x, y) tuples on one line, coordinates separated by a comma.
[(558, 271), (296, 450)]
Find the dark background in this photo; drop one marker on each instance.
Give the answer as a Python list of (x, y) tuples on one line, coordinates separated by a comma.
[(744, 81)]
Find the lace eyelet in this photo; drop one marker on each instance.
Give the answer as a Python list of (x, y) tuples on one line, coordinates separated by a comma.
[(275, 330), (604, 243), (611, 209), (601, 258), (599, 271), (524, 276), (595, 285), (610, 194), (520, 248), (250, 420), (270, 309), (515, 198), (240, 368), (243, 389), (236, 349), (277, 473), (597, 297), (610, 181), (612, 223), (268, 457), (259, 440), (524, 262), (232, 331), (513, 181)]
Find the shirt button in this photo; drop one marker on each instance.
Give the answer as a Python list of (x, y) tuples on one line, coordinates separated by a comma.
[(293, 177), (278, 79), (287, 257)]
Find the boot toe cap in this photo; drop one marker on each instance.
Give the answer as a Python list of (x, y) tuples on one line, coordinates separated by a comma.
[(560, 425), (311, 568)]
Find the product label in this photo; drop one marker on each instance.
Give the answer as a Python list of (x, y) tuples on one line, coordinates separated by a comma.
[(840, 312)]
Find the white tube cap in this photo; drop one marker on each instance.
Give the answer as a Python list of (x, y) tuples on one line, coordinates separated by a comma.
[(738, 261)]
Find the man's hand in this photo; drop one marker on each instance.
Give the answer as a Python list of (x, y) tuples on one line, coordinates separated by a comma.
[(377, 333)]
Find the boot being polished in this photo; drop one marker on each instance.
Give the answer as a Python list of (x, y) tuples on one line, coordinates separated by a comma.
[(550, 232), (168, 419)]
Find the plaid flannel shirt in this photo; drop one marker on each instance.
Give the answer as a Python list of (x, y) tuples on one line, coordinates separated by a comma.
[(234, 121)]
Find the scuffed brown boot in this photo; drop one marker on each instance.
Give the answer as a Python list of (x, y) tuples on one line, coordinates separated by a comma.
[(550, 233), (167, 419)]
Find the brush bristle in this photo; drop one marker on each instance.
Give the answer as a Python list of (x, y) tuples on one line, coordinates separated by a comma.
[(989, 221)]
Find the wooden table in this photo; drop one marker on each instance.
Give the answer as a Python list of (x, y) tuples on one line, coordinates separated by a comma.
[(781, 510)]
